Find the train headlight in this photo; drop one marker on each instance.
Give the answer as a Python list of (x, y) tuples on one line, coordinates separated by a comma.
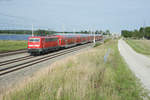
[(34, 45)]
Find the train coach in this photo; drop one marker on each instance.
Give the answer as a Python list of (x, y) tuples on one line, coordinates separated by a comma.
[(43, 44)]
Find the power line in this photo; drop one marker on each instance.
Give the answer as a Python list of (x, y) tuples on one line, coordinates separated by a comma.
[(21, 25), (18, 17)]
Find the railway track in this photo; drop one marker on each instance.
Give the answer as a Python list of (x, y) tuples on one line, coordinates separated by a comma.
[(12, 53), (14, 60), (37, 60)]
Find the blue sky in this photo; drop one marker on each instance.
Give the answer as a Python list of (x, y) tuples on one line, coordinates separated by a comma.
[(114, 15)]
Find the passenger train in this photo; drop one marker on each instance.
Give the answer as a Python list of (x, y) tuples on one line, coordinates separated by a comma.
[(44, 44)]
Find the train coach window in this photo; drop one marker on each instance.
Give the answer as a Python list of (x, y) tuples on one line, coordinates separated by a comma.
[(51, 39), (34, 40)]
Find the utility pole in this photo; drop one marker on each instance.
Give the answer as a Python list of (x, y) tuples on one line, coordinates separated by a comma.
[(94, 37), (32, 30), (91, 33)]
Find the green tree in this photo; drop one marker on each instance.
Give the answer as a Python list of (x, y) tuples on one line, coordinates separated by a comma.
[(141, 32), (147, 32), (126, 33), (107, 32)]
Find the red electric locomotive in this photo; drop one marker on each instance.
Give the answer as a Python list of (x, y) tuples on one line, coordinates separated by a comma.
[(42, 44)]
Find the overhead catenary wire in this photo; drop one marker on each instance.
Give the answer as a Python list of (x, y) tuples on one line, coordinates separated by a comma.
[(13, 23), (17, 17)]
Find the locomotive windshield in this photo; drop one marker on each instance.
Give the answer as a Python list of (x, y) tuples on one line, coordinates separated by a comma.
[(34, 40)]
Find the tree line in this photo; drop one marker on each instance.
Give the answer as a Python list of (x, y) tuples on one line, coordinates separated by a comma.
[(143, 32), (15, 32), (40, 32), (107, 32), (28, 32)]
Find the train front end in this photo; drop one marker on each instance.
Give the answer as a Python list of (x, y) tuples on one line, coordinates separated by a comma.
[(35, 45)]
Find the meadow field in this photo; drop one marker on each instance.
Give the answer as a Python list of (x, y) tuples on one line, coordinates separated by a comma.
[(84, 76), (10, 45), (140, 46)]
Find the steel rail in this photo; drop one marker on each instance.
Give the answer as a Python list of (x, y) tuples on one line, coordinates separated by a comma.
[(6, 62)]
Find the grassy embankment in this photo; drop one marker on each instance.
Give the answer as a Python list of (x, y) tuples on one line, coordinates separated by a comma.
[(140, 46), (84, 76), (10, 45)]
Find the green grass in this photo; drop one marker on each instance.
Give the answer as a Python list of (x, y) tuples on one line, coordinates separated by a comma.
[(140, 46), (106, 40), (84, 76), (10, 45), (97, 44)]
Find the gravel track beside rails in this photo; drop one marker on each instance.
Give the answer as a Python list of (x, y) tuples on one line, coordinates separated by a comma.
[(138, 63)]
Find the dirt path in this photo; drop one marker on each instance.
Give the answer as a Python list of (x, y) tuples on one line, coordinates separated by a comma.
[(138, 63)]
